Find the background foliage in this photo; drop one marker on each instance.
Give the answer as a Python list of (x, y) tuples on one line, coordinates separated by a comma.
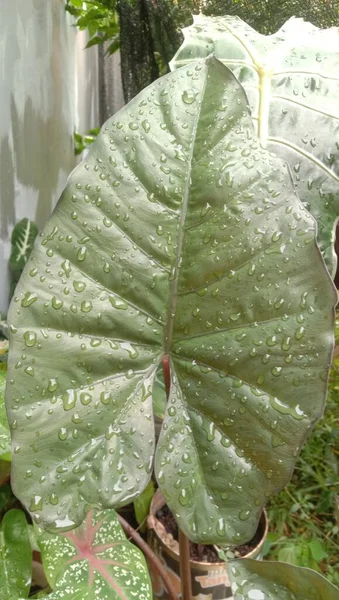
[(266, 16), (148, 32)]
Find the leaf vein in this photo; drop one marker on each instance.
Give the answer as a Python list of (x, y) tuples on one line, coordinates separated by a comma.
[(305, 154)]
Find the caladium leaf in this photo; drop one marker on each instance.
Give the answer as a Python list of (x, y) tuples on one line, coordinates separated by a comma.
[(5, 438), (16, 556), (264, 580), (178, 236), (291, 79), (95, 561)]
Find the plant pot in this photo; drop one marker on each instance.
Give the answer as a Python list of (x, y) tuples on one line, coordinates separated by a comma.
[(209, 579), (38, 575)]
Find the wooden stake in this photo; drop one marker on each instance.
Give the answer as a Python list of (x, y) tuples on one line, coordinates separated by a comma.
[(185, 567), (184, 545)]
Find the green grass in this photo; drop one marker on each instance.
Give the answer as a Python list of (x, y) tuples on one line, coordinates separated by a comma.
[(304, 521)]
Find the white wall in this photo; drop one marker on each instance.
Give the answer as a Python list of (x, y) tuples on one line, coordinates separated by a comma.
[(38, 112), (88, 85)]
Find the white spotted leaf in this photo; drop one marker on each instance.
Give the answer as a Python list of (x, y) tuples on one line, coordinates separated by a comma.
[(94, 561)]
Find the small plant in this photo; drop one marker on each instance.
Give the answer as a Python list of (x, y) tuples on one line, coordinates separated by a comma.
[(100, 18), (83, 142), (23, 238), (179, 242)]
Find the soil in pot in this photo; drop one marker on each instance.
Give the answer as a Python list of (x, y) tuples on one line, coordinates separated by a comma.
[(201, 552), (208, 572)]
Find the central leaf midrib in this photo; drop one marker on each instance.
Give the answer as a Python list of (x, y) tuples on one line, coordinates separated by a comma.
[(264, 86), (173, 291)]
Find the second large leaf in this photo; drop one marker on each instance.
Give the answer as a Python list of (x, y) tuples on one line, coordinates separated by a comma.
[(179, 235), (292, 83)]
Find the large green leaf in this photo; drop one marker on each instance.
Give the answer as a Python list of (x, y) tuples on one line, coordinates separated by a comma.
[(262, 580), (5, 438), (16, 556), (95, 561), (291, 79), (179, 235)]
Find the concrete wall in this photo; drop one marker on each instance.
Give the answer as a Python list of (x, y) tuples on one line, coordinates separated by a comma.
[(39, 96)]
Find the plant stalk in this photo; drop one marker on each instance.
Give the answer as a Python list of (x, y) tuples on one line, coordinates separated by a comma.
[(167, 375), (184, 545)]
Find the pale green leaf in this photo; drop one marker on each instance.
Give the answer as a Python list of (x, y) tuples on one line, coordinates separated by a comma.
[(261, 580), (317, 549), (291, 79), (290, 553)]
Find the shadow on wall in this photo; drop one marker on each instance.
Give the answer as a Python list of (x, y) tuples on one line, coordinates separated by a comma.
[(38, 103), (7, 188), (47, 140), (44, 146), (38, 106)]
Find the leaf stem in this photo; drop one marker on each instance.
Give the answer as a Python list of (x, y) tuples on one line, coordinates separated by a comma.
[(167, 375), (184, 547)]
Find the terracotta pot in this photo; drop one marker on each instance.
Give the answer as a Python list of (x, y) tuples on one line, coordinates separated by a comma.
[(209, 580)]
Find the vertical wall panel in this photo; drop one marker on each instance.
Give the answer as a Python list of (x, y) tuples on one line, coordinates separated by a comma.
[(88, 85), (37, 114)]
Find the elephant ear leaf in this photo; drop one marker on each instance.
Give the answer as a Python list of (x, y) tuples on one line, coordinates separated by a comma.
[(264, 580), (178, 237), (292, 83), (95, 560)]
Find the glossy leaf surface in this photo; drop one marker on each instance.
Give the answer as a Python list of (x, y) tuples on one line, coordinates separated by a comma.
[(5, 438), (263, 580), (95, 561), (159, 395), (179, 235), (16, 556), (292, 84)]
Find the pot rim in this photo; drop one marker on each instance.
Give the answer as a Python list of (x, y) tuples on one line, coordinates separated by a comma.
[(158, 501)]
